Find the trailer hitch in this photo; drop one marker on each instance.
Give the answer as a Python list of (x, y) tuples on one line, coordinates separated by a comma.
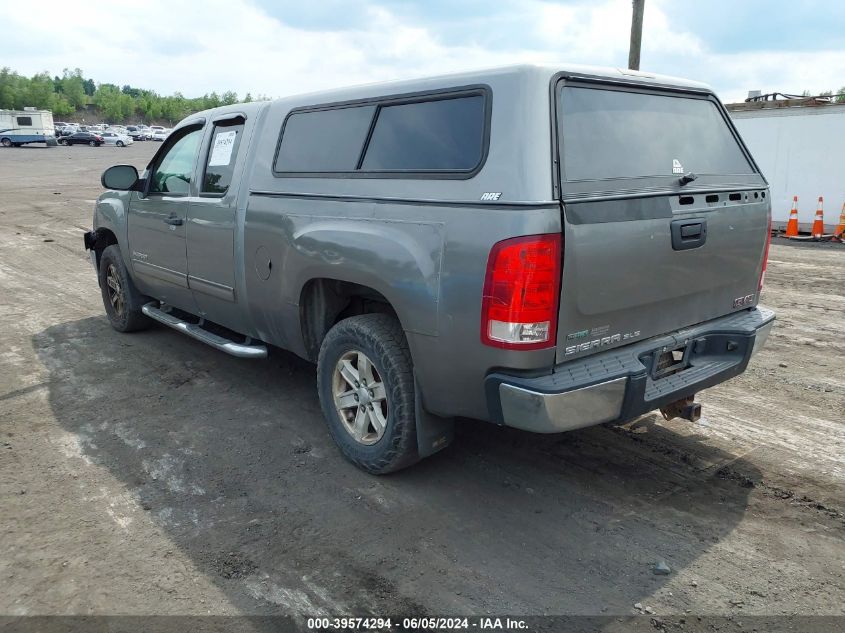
[(684, 408)]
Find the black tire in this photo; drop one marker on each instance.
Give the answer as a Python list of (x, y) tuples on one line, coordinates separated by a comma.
[(381, 338), (6, 142), (119, 143), (124, 315), (61, 141), (93, 143)]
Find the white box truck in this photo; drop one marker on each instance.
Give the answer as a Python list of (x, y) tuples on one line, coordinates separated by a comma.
[(800, 147), (30, 125)]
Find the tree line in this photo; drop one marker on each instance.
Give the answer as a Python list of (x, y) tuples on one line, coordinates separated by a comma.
[(73, 94)]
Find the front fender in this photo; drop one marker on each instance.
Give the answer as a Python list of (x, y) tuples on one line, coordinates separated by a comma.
[(110, 213)]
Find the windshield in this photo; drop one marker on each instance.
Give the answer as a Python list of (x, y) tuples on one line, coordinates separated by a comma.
[(617, 134)]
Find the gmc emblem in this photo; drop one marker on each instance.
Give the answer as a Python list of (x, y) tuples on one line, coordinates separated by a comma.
[(741, 302)]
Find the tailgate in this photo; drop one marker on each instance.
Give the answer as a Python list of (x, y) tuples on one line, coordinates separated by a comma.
[(645, 253)]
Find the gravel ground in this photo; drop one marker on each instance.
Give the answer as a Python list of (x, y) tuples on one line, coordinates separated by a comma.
[(149, 474)]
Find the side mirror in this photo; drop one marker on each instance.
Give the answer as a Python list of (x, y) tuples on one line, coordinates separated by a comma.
[(120, 177)]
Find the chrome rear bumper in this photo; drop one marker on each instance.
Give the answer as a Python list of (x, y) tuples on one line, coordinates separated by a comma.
[(553, 412), (621, 384)]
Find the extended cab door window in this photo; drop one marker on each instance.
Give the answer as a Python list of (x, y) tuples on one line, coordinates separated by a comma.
[(220, 162)]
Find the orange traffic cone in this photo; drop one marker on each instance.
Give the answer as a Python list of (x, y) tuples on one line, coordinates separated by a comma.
[(818, 223), (792, 225), (839, 231)]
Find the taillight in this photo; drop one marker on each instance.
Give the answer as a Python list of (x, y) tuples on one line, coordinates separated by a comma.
[(766, 254), (521, 293)]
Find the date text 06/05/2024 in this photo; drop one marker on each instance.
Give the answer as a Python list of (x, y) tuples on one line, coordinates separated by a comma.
[(414, 624)]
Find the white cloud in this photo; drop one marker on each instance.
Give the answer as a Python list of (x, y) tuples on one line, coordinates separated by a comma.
[(219, 45)]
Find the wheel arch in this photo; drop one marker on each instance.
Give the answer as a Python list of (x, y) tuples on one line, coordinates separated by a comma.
[(109, 222), (105, 237), (324, 301)]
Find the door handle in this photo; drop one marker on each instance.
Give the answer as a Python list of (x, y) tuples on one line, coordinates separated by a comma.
[(173, 220), (688, 234)]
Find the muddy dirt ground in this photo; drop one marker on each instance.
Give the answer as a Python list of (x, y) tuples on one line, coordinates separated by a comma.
[(149, 474)]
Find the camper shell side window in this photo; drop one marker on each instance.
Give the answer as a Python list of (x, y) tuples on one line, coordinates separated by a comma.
[(442, 134)]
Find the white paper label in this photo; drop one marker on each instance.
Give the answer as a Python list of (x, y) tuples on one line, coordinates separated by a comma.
[(221, 153)]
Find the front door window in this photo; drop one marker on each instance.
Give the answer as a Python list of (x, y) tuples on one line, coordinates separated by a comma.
[(172, 174)]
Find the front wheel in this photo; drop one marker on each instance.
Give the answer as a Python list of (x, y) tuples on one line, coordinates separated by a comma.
[(365, 380), (121, 298), (61, 141), (119, 143), (6, 142), (92, 143)]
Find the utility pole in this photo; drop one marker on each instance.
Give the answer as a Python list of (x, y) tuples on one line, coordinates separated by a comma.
[(636, 35)]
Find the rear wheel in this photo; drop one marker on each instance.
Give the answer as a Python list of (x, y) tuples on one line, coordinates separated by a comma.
[(365, 380), (121, 298), (61, 141), (119, 143)]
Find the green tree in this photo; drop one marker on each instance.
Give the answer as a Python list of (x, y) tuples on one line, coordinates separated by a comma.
[(60, 106), (40, 91), (108, 99), (72, 93), (10, 86), (73, 87)]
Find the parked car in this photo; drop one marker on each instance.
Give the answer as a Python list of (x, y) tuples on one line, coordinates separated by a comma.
[(160, 134), (136, 133), (113, 138), (82, 138), (590, 249)]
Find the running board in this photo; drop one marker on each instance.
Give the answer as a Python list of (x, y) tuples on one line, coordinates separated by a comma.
[(240, 350)]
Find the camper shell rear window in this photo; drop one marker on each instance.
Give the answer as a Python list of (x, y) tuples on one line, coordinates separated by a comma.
[(611, 133), (444, 134)]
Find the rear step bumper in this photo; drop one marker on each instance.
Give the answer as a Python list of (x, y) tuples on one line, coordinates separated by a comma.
[(621, 384), (240, 350)]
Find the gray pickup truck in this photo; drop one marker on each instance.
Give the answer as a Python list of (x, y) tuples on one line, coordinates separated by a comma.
[(543, 247)]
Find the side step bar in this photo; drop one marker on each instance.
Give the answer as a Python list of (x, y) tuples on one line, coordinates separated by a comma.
[(240, 350)]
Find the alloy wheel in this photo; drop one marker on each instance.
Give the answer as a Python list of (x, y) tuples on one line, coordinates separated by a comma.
[(115, 290), (360, 397)]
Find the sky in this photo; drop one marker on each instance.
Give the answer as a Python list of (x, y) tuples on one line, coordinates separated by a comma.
[(285, 47)]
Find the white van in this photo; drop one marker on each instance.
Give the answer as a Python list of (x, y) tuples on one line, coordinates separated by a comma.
[(19, 127)]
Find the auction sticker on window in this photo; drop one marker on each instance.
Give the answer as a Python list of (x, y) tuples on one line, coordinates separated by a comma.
[(221, 153)]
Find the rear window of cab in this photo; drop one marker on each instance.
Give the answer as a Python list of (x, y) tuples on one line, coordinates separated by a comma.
[(440, 135)]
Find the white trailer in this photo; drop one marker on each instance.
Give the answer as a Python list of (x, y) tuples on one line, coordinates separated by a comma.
[(801, 151), (19, 127)]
